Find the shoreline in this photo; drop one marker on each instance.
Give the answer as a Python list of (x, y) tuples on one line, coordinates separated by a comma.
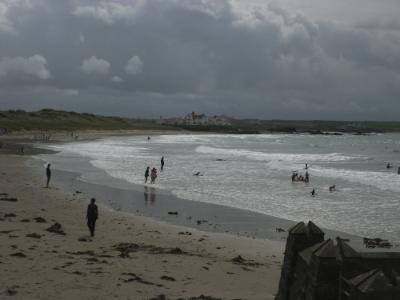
[(161, 205), (162, 259)]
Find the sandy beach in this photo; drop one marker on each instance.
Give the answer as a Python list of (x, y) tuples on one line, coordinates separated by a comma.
[(131, 256)]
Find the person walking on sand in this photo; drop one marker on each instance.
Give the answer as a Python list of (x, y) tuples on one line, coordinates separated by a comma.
[(91, 216), (146, 174), (153, 175), (48, 175), (162, 163)]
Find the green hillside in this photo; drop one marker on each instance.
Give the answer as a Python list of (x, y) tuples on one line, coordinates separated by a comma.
[(48, 119)]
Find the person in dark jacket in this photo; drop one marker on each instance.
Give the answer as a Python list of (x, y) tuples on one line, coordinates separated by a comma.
[(91, 215), (146, 174), (48, 175)]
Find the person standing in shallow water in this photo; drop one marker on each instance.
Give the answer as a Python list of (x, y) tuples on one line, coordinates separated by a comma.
[(91, 216), (153, 175), (146, 174), (48, 175), (162, 163)]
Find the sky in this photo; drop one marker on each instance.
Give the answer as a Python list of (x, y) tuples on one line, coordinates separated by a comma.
[(281, 59)]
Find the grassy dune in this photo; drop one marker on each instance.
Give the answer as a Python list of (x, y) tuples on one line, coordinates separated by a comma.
[(48, 119)]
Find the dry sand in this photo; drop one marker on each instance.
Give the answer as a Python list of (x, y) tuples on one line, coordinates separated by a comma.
[(131, 257)]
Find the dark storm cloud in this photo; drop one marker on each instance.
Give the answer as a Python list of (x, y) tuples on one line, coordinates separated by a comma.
[(160, 57)]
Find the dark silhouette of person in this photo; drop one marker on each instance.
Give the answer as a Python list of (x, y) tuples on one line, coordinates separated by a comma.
[(388, 166), (307, 177), (146, 174), (162, 163), (294, 176), (313, 192), (48, 175), (91, 216), (153, 175), (332, 188)]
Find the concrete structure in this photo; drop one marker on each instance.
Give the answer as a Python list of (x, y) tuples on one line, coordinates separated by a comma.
[(319, 269)]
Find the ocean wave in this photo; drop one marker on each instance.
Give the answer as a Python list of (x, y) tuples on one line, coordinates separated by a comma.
[(264, 156)]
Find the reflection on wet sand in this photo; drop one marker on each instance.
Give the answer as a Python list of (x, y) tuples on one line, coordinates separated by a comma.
[(152, 194)]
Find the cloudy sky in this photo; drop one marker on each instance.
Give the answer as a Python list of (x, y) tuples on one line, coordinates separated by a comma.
[(282, 59)]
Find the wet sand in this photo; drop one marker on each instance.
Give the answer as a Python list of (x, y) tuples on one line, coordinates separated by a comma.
[(132, 256)]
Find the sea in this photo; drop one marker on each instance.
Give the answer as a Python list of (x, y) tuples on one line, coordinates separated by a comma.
[(253, 172)]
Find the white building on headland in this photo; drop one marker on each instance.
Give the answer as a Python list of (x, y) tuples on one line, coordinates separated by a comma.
[(195, 119)]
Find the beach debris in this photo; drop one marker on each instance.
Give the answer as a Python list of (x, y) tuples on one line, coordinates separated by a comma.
[(77, 273), (88, 252), (7, 199), (199, 222), (6, 231), (134, 277), (18, 254), (168, 278), (126, 248), (78, 192), (173, 213), (11, 215), (34, 235), (185, 233), (85, 239), (202, 297), (176, 251), (40, 220), (25, 220), (377, 243), (56, 228), (239, 260), (278, 229), (12, 291)]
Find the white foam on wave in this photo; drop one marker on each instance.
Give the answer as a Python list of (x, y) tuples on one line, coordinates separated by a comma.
[(209, 138), (254, 155)]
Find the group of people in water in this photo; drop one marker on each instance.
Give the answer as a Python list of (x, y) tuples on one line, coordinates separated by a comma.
[(153, 172), (389, 166), (298, 177)]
